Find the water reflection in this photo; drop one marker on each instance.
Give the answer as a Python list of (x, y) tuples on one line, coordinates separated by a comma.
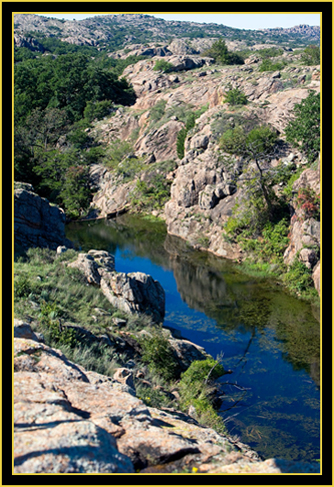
[(213, 286), (270, 340)]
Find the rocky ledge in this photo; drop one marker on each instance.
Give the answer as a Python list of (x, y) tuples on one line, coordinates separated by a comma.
[(70, 420), (134, 292), (37, 223)]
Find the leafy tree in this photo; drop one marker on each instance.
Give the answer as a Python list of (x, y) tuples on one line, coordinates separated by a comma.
[(219, 52), (259, 145), (75, 191), (303, 130)]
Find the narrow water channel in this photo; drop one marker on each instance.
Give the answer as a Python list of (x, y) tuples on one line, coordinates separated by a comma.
[(270, 340)]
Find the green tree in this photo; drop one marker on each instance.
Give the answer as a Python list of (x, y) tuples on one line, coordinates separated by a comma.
[(219, 52), (303, 130), (257, 146), (75, 192)]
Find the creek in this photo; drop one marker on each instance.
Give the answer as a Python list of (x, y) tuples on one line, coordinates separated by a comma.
[(267, 338)]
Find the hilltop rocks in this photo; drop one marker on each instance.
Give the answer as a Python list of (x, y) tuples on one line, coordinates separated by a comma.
[(37, 223), (135, 292)]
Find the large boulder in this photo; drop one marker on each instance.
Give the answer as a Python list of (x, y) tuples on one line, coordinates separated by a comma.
[(135, 292), (37, 223)]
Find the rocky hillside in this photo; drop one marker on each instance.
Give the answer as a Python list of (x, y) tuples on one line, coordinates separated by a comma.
[(173, 147), (203, 195), (116, 31)]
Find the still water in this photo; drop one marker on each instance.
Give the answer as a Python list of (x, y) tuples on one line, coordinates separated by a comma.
[(268, 339)]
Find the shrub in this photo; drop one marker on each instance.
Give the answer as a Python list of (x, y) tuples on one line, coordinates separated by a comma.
[(311, 55), (219, 52), (309, 202), (97, 110), (269, 65), (158, 110), (235, 97), (181, 137), (164, 66), (298, 278), (195, 388), (158, 354)]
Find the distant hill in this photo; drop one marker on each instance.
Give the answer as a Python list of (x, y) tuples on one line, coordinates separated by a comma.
[(114, 32)]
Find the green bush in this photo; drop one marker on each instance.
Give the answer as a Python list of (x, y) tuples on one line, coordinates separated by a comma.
[(311, 55), (97, 110), (269, 65), (158, 110), (163, 66), (195, 388), (219, 52), (235, 97), (299, 278), (158, 355), (181, 137)]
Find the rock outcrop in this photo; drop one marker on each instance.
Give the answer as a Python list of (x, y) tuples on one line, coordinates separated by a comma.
[(37, 223), (305, 235), (70, 420), (134, 292)]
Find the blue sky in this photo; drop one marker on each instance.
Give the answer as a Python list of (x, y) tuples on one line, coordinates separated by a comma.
[(241, 21)]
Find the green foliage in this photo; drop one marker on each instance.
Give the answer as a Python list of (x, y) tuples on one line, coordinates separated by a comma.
[(49, 280), (158, 110), (269, 52), (202, 370), (97, 110), (67, 82), (152, 194), (303, 131), (311, 55), (164, 66), (235, 97), (22, 287), (75, 191), (195, 388), (268, 65), (189, 124), (116, 152), (154, 398), (181, 137), (158, 355), (298, 278), (52, 329), (257, 142), (219, 52)]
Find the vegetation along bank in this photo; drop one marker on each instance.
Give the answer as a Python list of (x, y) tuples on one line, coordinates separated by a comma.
[(217, 134)]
